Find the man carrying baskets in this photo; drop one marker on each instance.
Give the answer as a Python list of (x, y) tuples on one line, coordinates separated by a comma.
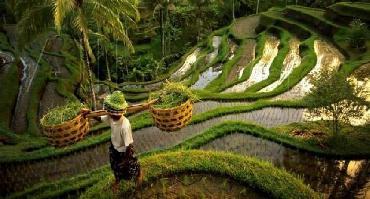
[(121, 151)]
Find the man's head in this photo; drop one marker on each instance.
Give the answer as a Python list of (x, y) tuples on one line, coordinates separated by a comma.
[(115, 104), (116, 115)]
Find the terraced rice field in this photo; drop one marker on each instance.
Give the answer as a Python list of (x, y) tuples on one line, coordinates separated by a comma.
[(336, 178)]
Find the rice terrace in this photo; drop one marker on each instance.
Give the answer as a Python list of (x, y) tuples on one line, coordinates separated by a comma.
[(170, 99)]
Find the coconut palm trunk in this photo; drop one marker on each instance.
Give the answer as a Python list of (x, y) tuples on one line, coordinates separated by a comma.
[(163, 44), (107, 65), (91, 80)]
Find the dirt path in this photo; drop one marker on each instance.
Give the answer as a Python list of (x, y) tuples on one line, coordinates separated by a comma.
[(249, 53), (245, 27)]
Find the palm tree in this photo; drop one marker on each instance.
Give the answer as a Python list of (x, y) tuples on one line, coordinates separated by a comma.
[(78, 16)]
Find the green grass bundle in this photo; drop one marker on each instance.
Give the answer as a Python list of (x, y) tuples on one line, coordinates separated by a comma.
[(62, 114), (115, 101), (172, 95)]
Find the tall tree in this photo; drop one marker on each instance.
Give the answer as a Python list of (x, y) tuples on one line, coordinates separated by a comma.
[(162, 8), (76, 16), (335, 97)]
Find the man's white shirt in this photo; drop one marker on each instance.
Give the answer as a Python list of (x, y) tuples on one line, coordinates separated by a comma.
[(121, 135)]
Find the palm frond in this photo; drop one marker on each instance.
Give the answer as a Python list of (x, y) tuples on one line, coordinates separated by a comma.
[(21, 6), (33, 22), (122, 7), (61, 9), (110, 22), (82, 25)]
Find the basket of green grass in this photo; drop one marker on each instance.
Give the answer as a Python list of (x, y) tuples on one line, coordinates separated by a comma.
[(65, 125), (174, 106)]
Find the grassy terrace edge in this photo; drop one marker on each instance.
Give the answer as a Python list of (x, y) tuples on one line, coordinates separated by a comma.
[(75, 184), (242, 169), (258, 174)]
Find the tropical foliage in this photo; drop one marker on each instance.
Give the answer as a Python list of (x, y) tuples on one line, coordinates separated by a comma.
[(80, 19)]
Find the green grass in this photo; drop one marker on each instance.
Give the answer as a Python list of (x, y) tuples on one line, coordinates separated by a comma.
[(15, 153), (355, 144), (173, 94), (255, 173), (76, 185), (59, 115)]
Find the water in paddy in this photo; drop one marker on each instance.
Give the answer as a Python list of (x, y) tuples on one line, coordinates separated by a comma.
[(328, 57), (291, 61), (335, 178), (261, 70), (207, 76), (189, 61), (196, 186)]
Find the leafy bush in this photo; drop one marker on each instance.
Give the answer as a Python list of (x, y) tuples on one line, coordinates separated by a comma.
[(145, 68), (172, 95), (62, 114)]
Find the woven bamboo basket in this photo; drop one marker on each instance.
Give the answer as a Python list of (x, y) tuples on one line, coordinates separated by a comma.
[(172, 119), (67, 133)]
